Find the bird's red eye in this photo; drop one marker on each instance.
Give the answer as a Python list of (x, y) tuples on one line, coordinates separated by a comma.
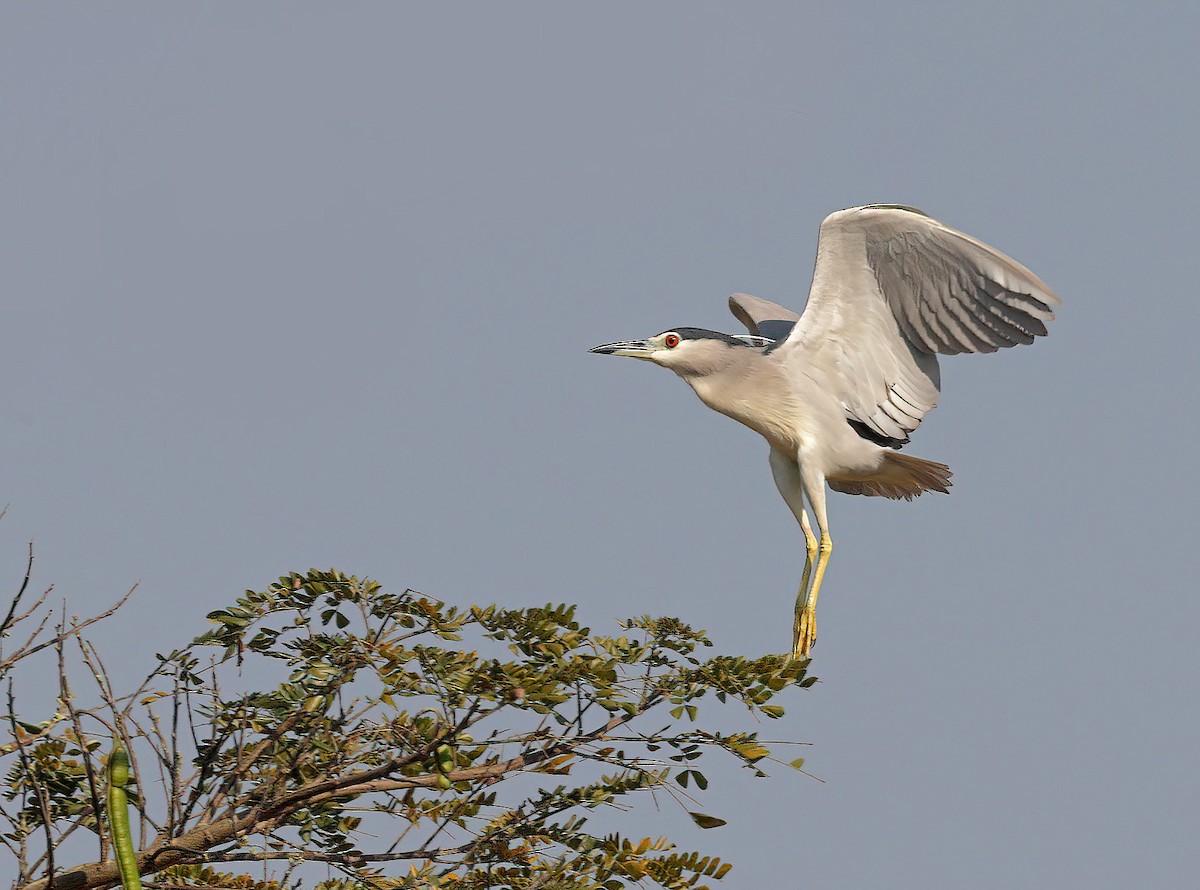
[(671, 341)]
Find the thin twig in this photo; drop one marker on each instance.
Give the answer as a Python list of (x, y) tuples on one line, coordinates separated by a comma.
[(68, 702), (16, 601), (28, 649), (43, 797)]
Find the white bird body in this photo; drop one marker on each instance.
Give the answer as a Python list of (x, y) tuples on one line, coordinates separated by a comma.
[(837, 391), (785, 404)]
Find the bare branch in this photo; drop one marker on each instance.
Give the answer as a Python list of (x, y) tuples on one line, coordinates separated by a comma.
[(39, 789), (27, 648), (68, 702), (16, 600)]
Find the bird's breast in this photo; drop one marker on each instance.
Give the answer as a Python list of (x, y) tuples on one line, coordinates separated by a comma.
[(769, 411)]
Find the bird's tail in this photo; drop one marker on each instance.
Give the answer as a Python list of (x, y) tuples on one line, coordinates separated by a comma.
[(899, 476)]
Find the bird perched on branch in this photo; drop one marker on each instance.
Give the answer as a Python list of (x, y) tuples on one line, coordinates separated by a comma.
[(838, 390)]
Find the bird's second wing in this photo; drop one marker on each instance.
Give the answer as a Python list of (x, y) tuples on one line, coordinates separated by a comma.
[(763, 318), (891, 288)]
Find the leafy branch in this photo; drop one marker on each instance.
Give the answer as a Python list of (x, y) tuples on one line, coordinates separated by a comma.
[(324, 715)]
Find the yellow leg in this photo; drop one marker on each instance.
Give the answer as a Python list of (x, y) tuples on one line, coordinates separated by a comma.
[(813, 483), (804, 627), (796, 487), (806, 618)]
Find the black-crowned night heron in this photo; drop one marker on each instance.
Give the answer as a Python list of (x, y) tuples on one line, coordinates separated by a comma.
[(836, 392)]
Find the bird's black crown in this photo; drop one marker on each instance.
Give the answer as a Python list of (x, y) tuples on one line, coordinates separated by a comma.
[(705, 334)]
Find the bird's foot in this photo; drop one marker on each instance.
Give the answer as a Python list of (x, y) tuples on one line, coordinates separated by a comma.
[(806, 633)]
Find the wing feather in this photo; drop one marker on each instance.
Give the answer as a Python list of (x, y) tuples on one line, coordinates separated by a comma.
[(1002, 317), (891, 288)]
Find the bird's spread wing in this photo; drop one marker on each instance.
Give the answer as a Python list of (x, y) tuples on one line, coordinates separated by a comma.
[(763, 318), (891, 288)]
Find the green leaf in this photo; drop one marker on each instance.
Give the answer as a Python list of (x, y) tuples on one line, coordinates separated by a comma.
[(706, 821)]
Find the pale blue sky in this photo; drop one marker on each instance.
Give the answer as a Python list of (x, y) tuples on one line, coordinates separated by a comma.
[(308, 285)]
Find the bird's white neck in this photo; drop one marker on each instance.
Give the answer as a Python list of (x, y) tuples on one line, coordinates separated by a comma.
[(754, 396)]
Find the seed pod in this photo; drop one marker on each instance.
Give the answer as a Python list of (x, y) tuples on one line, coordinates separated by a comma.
[(118, 817)]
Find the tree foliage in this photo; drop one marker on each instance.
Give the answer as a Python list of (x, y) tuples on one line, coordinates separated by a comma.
[(399, 741)]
